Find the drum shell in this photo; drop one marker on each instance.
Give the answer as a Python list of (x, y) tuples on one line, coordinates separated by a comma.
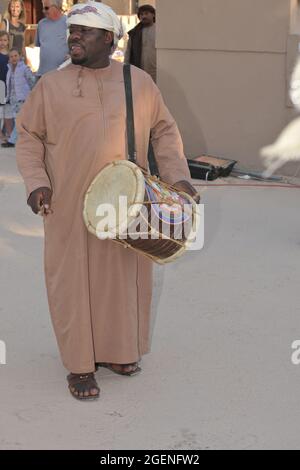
[(161, 249)]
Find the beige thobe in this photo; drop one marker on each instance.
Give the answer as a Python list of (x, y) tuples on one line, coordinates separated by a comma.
[(72, 124)]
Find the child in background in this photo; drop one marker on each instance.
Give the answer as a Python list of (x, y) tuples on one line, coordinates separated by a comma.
[(19, 82), (5, 109), (3, 59)]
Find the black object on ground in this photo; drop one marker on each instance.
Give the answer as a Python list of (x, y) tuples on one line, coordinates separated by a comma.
[(207, 167)]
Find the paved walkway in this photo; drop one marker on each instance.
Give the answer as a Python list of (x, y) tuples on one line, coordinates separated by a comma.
[(220, 373)]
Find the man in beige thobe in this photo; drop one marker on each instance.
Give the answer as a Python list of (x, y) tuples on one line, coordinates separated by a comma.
[(72, 125)]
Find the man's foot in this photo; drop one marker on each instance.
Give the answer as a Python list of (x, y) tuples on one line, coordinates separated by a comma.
[(121, 369), (83, 386), (7, 144)]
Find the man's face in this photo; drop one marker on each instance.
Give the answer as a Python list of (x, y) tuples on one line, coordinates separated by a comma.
[(48, 8), (147, 18), (87, 45), (14, 57), (15, 9)]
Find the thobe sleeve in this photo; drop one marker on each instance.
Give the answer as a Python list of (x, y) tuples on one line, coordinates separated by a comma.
[(166, 141), (30, 148)]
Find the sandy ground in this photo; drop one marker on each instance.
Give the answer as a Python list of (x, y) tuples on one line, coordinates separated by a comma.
[(220, 374)]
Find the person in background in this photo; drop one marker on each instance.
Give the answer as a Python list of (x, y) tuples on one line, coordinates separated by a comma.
[(141, 50), (19, 82), (14, 24), (51, 37), (6, 114)]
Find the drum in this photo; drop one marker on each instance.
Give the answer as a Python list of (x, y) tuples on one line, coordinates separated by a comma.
[(125, 204)]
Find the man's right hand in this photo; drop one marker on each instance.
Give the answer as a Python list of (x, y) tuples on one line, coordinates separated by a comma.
[(40, 201), (188, 188)]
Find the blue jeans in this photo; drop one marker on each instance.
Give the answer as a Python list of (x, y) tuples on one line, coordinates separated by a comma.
[(13, 136)]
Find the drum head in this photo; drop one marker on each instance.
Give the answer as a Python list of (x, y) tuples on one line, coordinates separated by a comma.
[(106, 214)]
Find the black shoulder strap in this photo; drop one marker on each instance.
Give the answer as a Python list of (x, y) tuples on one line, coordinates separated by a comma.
[(130, 125), (129, 114)]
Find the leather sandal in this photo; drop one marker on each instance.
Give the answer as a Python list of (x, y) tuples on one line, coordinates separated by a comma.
[(109, 366), (81, 383)]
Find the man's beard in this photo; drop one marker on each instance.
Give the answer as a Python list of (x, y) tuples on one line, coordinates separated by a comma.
[(146, 23), (81, 61)]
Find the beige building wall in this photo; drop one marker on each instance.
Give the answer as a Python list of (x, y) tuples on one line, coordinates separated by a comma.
[(147, 2), (127, 7), (223, 68), (121, 7)]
